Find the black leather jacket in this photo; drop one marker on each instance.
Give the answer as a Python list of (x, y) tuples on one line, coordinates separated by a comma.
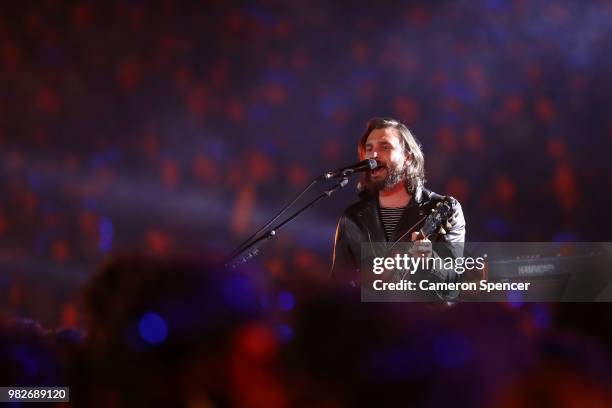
[(361, 222)]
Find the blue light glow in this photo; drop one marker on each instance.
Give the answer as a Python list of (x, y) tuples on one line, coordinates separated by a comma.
[(498, 226), (515, 299), (105, 228), (239, 294), (285, 333), (565, 237), (153, 328), (540, 316), (452, 350), (286, 301)]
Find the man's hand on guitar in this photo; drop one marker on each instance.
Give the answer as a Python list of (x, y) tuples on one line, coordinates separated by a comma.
[(421, 247)]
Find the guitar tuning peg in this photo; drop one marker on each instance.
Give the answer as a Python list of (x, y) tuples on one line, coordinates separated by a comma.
[(439, 204), (442, 231)]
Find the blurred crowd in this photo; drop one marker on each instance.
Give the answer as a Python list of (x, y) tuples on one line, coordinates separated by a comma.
[(157, 127), (174, 331)]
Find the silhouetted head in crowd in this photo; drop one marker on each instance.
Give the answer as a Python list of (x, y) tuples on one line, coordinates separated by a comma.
[(159, 327), (346, 353), (181, 332)]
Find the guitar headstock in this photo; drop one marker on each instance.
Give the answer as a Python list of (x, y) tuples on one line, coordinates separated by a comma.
[(437, 220)]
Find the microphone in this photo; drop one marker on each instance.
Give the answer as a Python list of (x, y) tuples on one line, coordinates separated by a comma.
[(364, 165)]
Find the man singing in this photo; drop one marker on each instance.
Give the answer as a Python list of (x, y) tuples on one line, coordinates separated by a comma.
[(393, 203)]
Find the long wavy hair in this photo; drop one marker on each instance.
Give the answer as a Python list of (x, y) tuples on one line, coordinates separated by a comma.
[(414, 175)]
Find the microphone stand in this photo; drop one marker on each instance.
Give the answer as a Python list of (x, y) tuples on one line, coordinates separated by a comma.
[(345, 172), (247, 241), (253, 249)]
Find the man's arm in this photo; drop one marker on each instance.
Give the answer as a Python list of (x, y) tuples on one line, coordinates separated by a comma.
[(457, 222), (344, 260), (450, 244), (454, 244)]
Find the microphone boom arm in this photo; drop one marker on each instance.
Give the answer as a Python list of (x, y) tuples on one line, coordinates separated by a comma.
[(253, 249)]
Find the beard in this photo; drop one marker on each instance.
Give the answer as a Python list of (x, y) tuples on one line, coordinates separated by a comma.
[(395, 174)]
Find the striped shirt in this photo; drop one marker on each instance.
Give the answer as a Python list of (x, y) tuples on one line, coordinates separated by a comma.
[(390, 218)]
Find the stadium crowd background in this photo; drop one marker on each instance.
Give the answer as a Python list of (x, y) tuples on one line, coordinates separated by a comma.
[(160, 126)]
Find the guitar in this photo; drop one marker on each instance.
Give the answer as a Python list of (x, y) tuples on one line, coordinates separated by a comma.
[(436, 222)]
